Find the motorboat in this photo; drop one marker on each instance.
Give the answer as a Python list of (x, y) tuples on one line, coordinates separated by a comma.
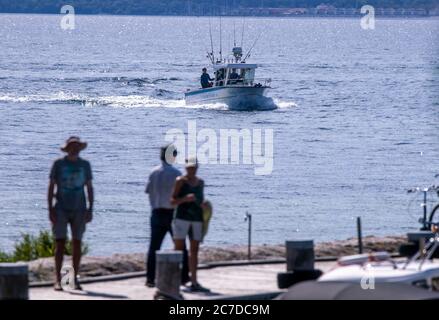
[(235, 85), (420, 270)]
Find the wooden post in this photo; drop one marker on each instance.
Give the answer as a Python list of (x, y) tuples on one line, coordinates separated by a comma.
[(248, 217), (168, 272), (14, 282), (360, 236), (300, 255)]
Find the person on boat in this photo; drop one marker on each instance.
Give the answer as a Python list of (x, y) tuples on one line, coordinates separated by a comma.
[(70, 175), (188, 196), (159, 189), (234, 77), (220, 77), (205, 79)]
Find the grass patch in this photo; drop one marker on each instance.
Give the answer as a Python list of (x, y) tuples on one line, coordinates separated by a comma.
[(31, 247)]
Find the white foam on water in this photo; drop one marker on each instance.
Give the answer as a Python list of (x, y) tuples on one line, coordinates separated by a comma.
[(129, 101), (285, 104)]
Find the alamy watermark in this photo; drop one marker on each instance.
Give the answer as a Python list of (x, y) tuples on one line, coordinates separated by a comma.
[(368, 21), (224, 147), (368, 280), (68, 278), (68, 20)]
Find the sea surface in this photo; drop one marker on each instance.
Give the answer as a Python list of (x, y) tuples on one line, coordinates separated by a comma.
[(356, 124)]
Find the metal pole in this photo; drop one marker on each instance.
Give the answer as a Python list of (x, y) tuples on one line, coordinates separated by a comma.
[(248, 217), (425, 210), (360, 237)]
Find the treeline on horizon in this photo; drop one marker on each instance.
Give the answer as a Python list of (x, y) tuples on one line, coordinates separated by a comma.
[(184, 7)]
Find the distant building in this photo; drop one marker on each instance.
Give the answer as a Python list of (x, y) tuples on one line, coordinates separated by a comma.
[(325, 9), (329, 10)]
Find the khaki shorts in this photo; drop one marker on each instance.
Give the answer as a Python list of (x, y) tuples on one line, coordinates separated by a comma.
[(63, 219), (182, 228)]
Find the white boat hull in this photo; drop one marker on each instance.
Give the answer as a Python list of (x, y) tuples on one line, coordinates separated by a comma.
[(235, 97)]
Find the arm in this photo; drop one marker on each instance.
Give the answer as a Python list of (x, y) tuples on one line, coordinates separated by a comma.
[(175, 200), (201, 201), (204, 203), (90, 196), (148, 184), (50, 193)]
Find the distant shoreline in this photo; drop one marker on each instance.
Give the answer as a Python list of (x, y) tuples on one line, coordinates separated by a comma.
[(378, 17)]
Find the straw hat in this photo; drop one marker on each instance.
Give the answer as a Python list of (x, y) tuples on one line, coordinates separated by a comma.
[(73, 139)]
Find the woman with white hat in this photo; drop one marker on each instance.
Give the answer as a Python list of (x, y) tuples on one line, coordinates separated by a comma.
[(188, 196)]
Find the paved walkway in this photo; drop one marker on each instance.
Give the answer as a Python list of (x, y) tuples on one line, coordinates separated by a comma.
[(237, 280)]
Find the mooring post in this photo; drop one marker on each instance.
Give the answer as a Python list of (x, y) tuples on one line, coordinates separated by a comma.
[(424, 204), (300, 255), (360, 236), (248, 217), (14, 283), (168, 272)]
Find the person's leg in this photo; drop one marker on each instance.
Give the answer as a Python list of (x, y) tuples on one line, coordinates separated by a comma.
[(76, 256), (180, 230), (59, 256), (179, 244), (158, 233), (185, 267), (59, 229), (193, 260), (78, 226), (196, 236)]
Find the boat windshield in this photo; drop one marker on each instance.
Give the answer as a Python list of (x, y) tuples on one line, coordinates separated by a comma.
[(244, 76), (235, 76)]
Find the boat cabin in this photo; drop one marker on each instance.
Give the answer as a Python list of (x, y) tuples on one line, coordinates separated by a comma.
[(234, 74)]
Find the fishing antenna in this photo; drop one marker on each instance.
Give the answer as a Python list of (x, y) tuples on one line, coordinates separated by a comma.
[(221, 40), (234, 33), (249, 51), (242, 36), (212, 55)]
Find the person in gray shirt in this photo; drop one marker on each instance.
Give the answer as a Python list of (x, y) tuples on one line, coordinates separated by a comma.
[(159, 189)]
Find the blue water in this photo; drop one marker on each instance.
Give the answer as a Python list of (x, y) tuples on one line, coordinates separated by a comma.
[(357, 122)]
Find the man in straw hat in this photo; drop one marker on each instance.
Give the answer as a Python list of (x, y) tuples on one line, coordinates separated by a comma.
[(70, 175)]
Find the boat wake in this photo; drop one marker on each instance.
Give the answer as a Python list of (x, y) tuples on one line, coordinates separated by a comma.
[(158, 99)]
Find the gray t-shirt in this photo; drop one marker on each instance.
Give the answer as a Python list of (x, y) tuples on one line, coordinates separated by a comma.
[(70, 178)]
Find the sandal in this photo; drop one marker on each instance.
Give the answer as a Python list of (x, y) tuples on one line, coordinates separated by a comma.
[(196, 287), (58, 287), (77, 285)]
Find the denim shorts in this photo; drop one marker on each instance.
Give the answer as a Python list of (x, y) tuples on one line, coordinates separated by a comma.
[(77, 223)]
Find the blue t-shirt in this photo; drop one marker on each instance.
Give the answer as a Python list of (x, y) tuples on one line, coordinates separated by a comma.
[(70, 178)]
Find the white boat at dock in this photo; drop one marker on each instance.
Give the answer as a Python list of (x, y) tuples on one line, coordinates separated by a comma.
[(420, 270)]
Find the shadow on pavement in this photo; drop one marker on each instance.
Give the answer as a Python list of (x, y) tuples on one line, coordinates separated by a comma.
[(97, 294), (199, 293)]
